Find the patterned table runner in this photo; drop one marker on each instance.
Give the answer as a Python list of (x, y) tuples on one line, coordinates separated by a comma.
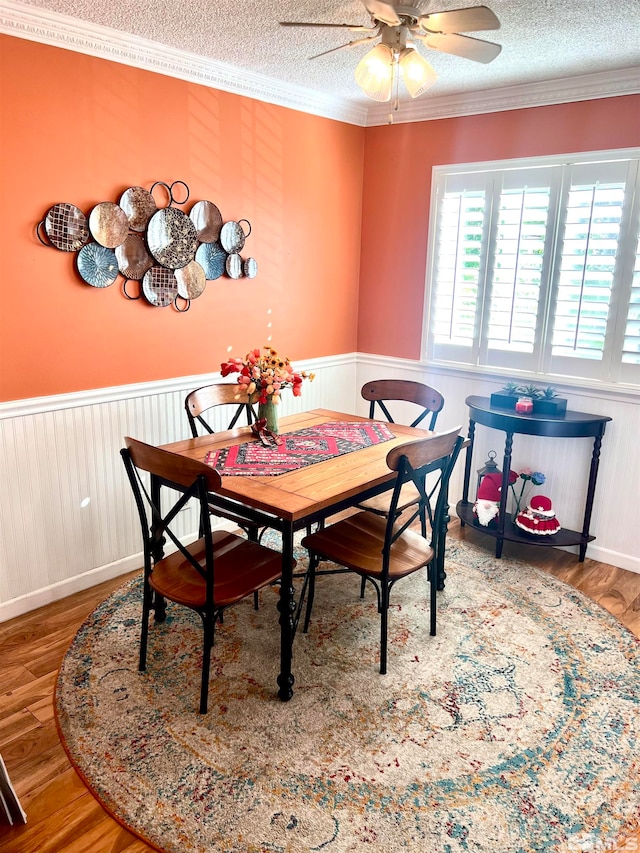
[(297, 449)]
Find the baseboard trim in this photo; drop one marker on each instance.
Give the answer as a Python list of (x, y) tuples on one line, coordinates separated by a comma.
[(57, 591), (54, 592)]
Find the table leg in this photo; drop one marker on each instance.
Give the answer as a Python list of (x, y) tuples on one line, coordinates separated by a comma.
[(467, 464), (591, 488), (286, 607), (504, 493), (442, 545)]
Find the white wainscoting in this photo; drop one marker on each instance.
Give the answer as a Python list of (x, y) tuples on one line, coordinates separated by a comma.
[(565, 462), (55, 452)]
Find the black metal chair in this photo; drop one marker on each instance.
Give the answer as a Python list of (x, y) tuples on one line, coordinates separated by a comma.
[(384, 550), (429, 403), (382, 391), (212, 397), (207, 576)]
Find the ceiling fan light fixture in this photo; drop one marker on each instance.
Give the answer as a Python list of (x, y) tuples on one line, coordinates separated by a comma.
[(417, 74), (374, 73)]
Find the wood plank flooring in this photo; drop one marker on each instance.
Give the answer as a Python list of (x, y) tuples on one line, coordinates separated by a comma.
[(63, 816)]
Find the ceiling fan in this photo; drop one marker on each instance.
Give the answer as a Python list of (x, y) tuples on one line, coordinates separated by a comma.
[(397, 25)]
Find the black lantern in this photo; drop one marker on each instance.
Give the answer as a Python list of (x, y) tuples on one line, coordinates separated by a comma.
[(489, 467)]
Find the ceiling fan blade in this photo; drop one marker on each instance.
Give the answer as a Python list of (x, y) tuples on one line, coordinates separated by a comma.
[(348, 44), (382, 11), (354, 27), (473, 19), (464, 46)]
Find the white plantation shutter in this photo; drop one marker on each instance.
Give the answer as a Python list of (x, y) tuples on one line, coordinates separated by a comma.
[(459, 265), (631, 345), (534, 267), (597, 201), (520, 243)]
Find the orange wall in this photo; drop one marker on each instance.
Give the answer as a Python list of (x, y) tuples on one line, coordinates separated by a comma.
[(78, 129), (397, 187)]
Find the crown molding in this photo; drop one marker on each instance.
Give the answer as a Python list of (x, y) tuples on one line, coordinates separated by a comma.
[(586, 87), (46, 27), (41, 25)]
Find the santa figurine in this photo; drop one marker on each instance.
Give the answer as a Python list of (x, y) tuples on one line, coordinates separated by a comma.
[(487, 505), (538, 518)]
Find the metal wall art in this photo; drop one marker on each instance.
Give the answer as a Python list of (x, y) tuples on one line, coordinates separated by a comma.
[(171, 254)]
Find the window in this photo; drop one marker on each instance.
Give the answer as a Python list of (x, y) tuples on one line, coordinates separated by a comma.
[(535, 266)]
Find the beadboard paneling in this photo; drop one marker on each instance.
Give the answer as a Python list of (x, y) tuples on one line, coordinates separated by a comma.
[(56, 452), (615, 520)]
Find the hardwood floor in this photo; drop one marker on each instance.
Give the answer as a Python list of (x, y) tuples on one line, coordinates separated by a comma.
[(63, 816)]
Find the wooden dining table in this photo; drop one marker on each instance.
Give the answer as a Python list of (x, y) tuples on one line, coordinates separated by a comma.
[(296, 499)]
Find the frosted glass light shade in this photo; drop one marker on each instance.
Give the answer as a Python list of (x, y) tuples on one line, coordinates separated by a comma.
[(417, 74), (374, 73)]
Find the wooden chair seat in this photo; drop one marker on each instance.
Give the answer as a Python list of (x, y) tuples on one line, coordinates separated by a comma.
[(357, 543), (242, 568)]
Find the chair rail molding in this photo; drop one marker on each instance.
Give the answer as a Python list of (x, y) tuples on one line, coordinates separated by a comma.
[(67, 519), (565, 462)]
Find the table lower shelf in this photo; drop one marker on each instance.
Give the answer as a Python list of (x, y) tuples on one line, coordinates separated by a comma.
[(511, 533)]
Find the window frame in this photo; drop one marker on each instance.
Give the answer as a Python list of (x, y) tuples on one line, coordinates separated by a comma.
[(540, 366)]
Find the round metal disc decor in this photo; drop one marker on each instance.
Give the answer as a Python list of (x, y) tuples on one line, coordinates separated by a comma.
[(171, 238), (160, 287), (108, 224), (97, 265), (66, 227), (207, 219), (139, 206), (191, 281), (212, 258), (250, 267), (133, 258), (234, 265), (232, 236)]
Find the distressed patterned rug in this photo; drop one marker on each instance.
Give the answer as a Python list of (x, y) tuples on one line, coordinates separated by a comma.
[(515, 730)]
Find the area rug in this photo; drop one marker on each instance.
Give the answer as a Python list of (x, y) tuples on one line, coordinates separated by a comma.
[(516, 729)]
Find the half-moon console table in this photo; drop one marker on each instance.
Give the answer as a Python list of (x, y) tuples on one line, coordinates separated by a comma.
[(569, 425)]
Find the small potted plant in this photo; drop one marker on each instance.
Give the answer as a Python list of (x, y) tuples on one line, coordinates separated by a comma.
[(507, 397), (548, 403)]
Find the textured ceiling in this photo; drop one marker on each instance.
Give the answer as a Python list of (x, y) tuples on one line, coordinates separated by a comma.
[(541, 40)]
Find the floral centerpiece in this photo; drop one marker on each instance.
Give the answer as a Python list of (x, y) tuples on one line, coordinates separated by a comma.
[(262, 378), (527, 476)]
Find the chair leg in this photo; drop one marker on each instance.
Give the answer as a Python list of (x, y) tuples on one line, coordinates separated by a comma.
[(363, 583), (433, 603), (311, 589), (147, 596), (209, 625), (253, 535), (384, 614)]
